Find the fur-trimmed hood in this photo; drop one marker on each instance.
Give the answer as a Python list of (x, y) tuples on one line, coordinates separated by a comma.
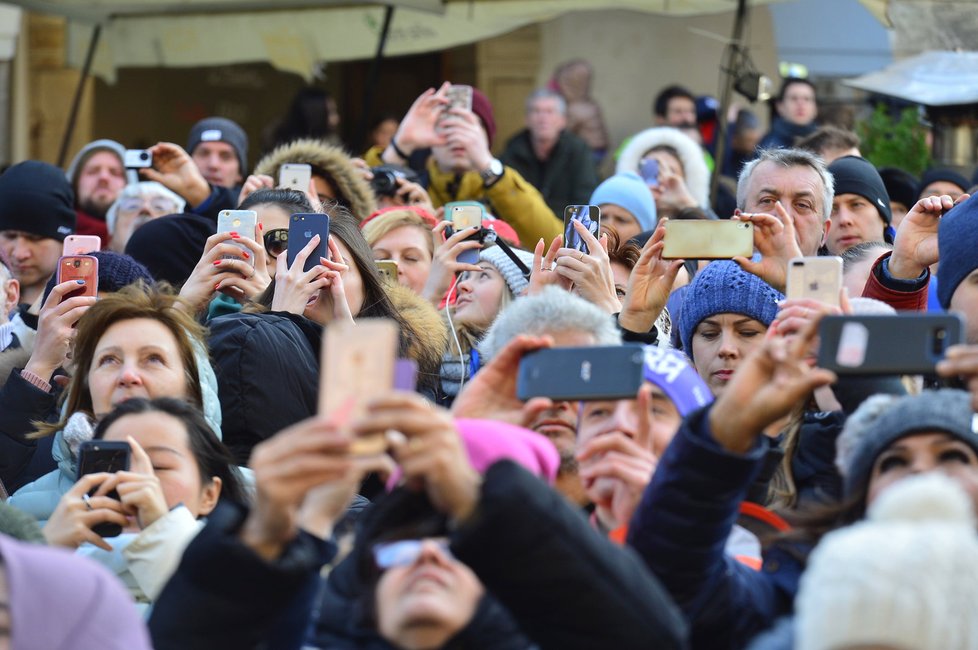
[(690, 154), (430, 338), (327, 158)]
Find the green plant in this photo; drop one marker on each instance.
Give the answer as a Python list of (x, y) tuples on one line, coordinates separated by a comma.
[(889, 142)]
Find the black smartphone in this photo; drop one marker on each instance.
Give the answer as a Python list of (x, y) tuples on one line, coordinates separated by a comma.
[(96, 456), (901, 344), (590, 216), (582, 374), (302, 228)]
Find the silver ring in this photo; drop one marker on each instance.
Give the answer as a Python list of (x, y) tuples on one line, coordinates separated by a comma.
[(88, 501)]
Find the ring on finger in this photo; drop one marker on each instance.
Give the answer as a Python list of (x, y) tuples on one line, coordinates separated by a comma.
[(88, 501), (580, 256)]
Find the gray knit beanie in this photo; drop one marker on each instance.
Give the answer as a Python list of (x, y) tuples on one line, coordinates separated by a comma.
[(511, 273)]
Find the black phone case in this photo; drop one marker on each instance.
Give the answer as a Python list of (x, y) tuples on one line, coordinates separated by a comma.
[(302, 228), (903, 344), (582, 374), (104, 456)]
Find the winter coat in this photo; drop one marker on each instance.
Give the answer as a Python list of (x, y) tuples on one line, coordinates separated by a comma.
[(902, 295), (680, 529), (784, 134), (18, 353), (328, 159), (22, 459), (567, 177), (690, 155)]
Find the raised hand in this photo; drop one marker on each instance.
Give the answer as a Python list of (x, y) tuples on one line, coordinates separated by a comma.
[(649, 284)]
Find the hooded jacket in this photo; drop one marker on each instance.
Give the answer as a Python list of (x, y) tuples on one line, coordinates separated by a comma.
[(328, 159), (690, 155)]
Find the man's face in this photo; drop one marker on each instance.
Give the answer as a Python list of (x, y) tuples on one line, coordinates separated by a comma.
[(544, 119), (680, 111), (964, 300), (99, 182), (33, 259), (798, 105), (854, 221), (452, 158), (800, 190), (133, 211), (218, 163)]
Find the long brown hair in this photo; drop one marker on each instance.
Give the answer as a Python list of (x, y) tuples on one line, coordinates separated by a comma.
[(135, 301)]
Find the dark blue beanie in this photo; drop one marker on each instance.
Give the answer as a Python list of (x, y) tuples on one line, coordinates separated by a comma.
[(36, 198), (725, 288), (957, 241), (942, 174), (855, 175)]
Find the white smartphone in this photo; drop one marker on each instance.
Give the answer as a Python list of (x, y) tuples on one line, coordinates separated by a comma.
[(243, 222), (819, 278), (293, 176)]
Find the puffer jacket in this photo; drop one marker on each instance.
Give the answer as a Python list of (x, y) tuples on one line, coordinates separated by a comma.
[(332, 160)]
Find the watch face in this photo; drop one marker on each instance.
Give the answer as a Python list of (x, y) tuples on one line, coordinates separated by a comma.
[(496, 167)]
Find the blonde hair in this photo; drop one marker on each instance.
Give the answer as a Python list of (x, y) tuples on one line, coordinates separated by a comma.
[(379, 227)]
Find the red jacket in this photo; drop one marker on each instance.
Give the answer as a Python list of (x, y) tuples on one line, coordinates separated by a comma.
[(901, 299)]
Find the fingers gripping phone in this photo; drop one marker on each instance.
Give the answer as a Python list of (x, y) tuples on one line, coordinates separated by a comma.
[(818, 278), (466, 214), (358, 363), (698, 239), (582, 374), (79, 267), (96, 456), (81, 244), (294, 176), (302, 228), (243, 222), (589, 216)]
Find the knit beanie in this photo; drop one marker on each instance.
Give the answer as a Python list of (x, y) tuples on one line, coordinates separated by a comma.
[(482, 107), (511, 273), (724, 288), (629, 191), (220, 129), (115, 271), (855, 175), (906, 577), (669, 370), (901, 185), (171, 246), (883, 419), (35, 198), (89, 150), (946, 175), (957, 235)]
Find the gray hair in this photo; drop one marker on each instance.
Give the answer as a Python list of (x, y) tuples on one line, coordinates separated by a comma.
[(546, 93), (139, 189), (551, 311), (789, 158)]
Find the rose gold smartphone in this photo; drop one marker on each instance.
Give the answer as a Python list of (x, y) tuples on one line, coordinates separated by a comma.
[(819, 278), (698, 239), (79, 267), (81, 244)]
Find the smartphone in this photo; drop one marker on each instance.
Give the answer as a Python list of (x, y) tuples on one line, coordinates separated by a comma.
[(582, 374), (302, 228), (466, 214), (79, 267), (590, 216), (294, 176), (358, 365), (388, 270), (459, 96), (243, 222), (137, 159), (81, 244), (699, 239), (819, 278), (648, 169), (104, 456), (901, 344)]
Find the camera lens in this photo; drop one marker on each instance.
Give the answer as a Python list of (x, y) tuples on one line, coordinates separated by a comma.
[(144, 156), (77, 263)]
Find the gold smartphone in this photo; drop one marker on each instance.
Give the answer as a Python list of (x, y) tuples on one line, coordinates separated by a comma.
[(819, 278), (357, 366), (698, 239), (388, 270)]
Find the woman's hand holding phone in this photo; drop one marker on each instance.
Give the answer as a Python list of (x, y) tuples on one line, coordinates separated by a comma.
[(544, 271), (213, 272), (444, 263), (77, 513), (649, 285), (253, 279), (294, 287), (590, 273), (335, 268), (139, 488), (56, 329)]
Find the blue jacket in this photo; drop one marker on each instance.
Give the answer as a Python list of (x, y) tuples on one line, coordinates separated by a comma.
[(681, 526)]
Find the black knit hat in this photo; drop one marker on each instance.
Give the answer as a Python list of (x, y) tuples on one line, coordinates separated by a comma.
[(946, 175), (220, 129), (901, 185), (115, 271), (855, 175), (36, 198), (171, 246)]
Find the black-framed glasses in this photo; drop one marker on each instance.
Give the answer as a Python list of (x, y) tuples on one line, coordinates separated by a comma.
[(276, 241)]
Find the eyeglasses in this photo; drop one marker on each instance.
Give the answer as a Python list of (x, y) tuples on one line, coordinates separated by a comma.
[(405, 552), (276, 241), (158, 205)]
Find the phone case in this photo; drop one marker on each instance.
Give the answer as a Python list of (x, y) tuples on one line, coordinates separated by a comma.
[(79, 267), (293, 176), (465, 214), (649, 170), (818, 278), (699, 239), (302, 228), (590, 216), (903, 344), (81, 245), (459, 96), (388, 270), (104, 456), (581, 374), (243, 222)]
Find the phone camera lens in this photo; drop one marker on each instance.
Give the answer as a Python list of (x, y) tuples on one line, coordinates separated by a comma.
[(77, 263), (144, 156)]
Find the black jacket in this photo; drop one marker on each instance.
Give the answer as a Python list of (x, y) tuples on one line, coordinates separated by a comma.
[(568, 177), (21, 404)]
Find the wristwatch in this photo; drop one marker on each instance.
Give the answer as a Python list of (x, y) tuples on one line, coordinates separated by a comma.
[(492, 173)]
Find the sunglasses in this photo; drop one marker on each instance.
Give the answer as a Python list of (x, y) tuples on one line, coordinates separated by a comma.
[(405, 552), (276, 241)]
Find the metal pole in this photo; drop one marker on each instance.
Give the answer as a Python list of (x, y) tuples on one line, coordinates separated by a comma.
[(372, 74), (731, 54), (76, 102)]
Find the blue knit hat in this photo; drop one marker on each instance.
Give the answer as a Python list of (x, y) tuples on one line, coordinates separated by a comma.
[(628, 191), (724, 288), (957, 242)]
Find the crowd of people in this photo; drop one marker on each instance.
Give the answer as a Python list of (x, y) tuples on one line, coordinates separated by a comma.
[(740, 497)]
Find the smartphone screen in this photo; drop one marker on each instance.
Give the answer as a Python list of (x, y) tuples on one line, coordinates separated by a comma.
[(459, 96), (302, 228), (590, 216), (649, 171), (466, 215), (294, 176), (243, 222), (81, 244), (79, 267)]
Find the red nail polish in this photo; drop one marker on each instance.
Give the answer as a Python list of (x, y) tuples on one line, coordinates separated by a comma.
[(217, 286), (217, 262), (246, 255), (234, 235)]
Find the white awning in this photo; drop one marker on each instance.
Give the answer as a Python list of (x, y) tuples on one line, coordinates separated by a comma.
[(931, 79)]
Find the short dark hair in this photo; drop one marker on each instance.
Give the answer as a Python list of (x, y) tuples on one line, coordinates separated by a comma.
[(826, 138), (291, 201), (666, 95), (790, 81)]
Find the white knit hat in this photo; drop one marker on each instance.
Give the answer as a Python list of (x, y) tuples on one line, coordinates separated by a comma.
[(907, 577), (511, 273)]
